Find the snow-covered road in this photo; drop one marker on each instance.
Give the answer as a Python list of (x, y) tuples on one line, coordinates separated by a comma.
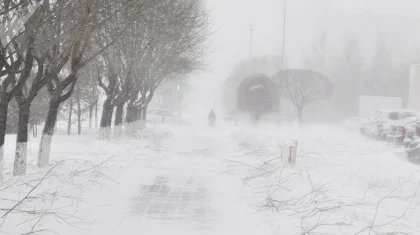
[(192, 179)]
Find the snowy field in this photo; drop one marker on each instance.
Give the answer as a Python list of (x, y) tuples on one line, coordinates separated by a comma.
[(190, 179)]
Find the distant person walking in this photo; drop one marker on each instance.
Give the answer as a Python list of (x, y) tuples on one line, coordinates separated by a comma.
[(212, 118)]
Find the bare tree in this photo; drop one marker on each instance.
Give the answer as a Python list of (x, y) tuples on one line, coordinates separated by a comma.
[(84, 94), (89, 91), (48, 43), (24, 98), (167, 44), (76, 108), (73, 49), (302, 87), (14, 14), (16, 61), (174, 58), (113, 90)]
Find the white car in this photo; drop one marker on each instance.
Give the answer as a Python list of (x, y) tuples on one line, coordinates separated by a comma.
[(380, 125), (398, 129)]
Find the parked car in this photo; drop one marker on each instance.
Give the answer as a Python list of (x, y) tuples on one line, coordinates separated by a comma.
[(413, 132), (409, 136), (375, 125), (400, 128), (413, 149), (386, 122)]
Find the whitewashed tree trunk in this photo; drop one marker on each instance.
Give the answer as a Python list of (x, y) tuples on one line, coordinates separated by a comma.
[(3, 120), (1, 163), (118, 130), (44, 150), (19, 167), (107, 133), (130, 128), (133, 127), (102, 133)]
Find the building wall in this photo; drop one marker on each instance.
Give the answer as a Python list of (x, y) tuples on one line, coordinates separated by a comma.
[(414, 87), (170, 98)]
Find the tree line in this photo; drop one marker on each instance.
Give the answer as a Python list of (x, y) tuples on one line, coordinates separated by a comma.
[(68, 52), (351, 71)]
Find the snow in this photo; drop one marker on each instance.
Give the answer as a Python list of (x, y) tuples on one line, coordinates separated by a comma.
[(191, 179), (256, 87)]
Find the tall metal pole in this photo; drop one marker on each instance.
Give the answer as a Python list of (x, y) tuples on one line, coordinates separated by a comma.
[(180, 102), (282, 108), (284, 34), (250, 51)]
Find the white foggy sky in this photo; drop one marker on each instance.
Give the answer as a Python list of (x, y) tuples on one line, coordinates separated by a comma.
[(306, 19)]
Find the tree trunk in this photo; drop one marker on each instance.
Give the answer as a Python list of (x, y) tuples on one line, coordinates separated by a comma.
[(109, 118), (129, 119), (90, 115), (70, 116), (128, 116), (105, 112), (19, 167), (118, 120), (105, 126), (79, 115), (253, 117), (258, 116), (48, 131), (3, 119), (139, 117), (96, 114), (136, 115), (143, 116), (119, 115), (299, 111), (34, 127)]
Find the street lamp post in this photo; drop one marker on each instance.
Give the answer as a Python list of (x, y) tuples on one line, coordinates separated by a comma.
[(250, 51), (284, 33), (178, 88), (281, 103)]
